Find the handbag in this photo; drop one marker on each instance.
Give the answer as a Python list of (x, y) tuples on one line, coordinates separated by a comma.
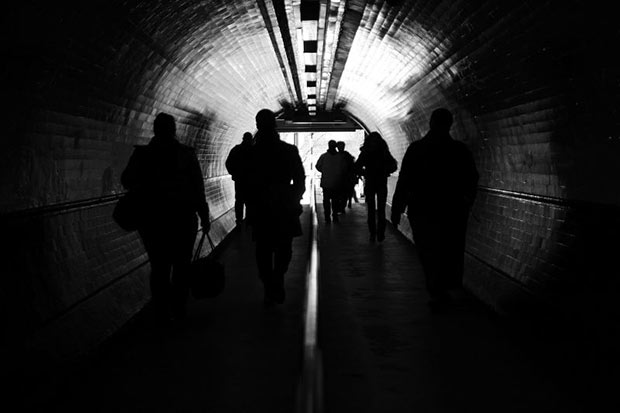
[(127, 212), (206, 274)]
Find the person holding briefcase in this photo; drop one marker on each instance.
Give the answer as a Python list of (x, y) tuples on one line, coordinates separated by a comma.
[(167, 178)]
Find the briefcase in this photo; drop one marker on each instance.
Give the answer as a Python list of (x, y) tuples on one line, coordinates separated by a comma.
[(207, 275)]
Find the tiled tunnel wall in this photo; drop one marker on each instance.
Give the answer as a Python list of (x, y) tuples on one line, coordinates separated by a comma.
[(533, 86)]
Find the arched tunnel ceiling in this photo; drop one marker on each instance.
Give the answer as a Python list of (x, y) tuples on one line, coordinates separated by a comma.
[(515, 73)]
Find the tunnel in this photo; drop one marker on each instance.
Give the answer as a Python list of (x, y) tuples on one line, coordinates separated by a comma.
[(534, 88)]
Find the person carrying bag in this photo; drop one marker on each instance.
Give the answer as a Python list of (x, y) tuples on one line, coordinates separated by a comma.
[(206, 274)]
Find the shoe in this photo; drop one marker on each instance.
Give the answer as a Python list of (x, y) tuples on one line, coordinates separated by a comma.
[(373, 237), (336, 218), (380, 237)]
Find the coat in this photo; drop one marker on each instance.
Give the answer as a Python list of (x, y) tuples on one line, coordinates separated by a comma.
[(166, 176), (237, 161), (438, 176), (276, 186), (333, 168)]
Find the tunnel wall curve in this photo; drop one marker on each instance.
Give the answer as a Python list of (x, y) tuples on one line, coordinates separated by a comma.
[(85, 84), (539, 112)]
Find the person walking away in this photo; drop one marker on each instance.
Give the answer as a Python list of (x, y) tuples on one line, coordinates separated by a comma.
[(332, 167), (167, 176), (348, 188), (237, 166), (375, 164), (277, 184), (437, 186)]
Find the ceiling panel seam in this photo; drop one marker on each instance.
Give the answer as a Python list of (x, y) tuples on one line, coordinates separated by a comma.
[(351, 20), (283, 24), (269, 26)]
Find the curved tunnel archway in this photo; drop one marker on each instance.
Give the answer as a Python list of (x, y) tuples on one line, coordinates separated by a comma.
[(531, 95)]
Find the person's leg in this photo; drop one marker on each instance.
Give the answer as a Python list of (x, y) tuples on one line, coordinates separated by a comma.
[(183, 246), (264, 261), (327, 205), (369, 194), (282, 259), (335, 200), (160, 261), (238, 202), (342, 199), (428, 244), (381, 221), (453, 248)]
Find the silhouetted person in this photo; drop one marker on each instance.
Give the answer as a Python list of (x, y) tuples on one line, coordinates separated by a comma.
[(350, 178), (168, 178), (375, 164), (332, 167), (437, 184), (277, 184), (237, 165)]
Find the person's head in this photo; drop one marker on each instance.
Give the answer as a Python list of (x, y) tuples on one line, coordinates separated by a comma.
[(164, 126), (441, 120), (373, 141), (331, 145), (265, 120), (340, 145), (247, 137)]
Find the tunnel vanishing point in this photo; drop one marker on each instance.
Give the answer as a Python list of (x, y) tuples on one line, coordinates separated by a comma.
[(534, 87)]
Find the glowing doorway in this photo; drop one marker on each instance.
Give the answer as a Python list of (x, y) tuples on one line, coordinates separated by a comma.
[(313, 144)]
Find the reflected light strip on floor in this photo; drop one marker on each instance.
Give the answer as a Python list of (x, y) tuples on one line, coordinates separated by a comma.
[(311, 381)]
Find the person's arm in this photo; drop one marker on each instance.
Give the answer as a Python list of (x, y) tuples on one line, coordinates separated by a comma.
[(358, 165), (299, 176), (131, 178), (319, 163), (401, 193), (231, 162), (202, 207)]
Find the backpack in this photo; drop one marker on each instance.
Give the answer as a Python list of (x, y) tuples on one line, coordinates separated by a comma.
[(391, 165)]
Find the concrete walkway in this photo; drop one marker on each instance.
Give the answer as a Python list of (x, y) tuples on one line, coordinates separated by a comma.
[(230, 355), (383, 350)]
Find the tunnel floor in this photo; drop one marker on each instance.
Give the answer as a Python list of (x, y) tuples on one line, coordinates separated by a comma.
[(382, 348)]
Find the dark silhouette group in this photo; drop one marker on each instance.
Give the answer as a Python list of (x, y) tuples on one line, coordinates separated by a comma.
[(338, 179), (436, 186)]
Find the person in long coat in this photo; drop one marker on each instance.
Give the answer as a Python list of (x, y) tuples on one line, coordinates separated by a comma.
[(167, 178), (437, 185), (332, 166), (236, 164), (375, 163), (277, 184)]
